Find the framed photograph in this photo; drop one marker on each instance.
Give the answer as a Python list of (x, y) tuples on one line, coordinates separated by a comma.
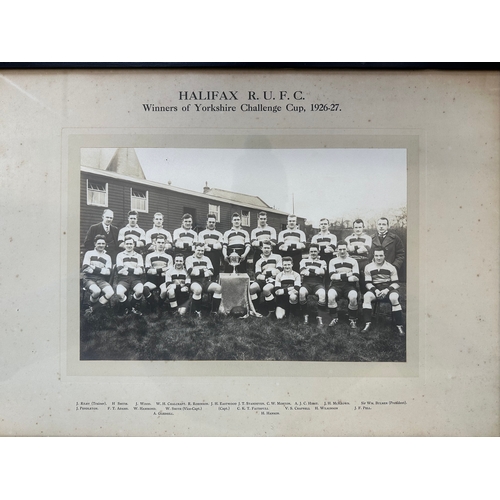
[(250, 252)]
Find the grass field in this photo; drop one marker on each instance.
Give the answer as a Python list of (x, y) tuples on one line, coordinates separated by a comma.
[(104, 336)]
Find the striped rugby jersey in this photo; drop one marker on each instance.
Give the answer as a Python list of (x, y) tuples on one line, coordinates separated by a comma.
[(288, 280), (339, 267), (99, 260), (236, 238), (130, 261), (204, 263), (136, 232), (186, 236), (265, 265), (324, 240), (177, 277), (316, 268), (292, 237), (158, 260), (357, 241), (210, 237), (151, 234), (264, 233), (386, 274)]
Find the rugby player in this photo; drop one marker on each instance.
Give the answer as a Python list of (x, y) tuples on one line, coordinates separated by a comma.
[(96, 270), (157, 264), (263, 232), (266, 270), (176, 286), (382, 285), (236, 240), (326, 241), (157, 229), (185, 237), (312, 272), (344, 274), (132, 229), (129, 273), (213, 240), (286, 289), (200, 270)]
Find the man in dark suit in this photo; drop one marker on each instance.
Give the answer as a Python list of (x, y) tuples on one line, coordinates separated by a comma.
[(390, 242), (109, 231)]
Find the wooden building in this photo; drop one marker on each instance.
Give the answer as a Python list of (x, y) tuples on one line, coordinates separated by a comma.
[(122, 186)]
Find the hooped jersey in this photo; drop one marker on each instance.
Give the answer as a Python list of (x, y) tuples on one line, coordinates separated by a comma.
[(185, 238), (292, 237), (357, 242), (386, 274), (131, 261), (136, 233), (98, 260), (210, 238), (158, 261), (324, 240), (236, 238), (266, 265), (316, 268), (177, 277), (338, 268), (152, 234), (288, 280), (204, 264), (261, 234)]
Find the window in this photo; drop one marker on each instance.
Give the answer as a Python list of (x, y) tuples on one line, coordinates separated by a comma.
[(245, 218), (214, 209), (138, 200), (97, 193)]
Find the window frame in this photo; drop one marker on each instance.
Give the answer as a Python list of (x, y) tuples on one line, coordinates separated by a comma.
[(216, 211), (133, 197), (91, 190)]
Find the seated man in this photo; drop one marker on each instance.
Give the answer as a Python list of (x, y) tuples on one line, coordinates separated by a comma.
[(344, 275), (266, 270), (312, 271), (157, 229), (129, 273), (133, 230), (200, 270), (236, 240), (286, 289), (292, 242), (213, 240), (185, 237), (96, 271), (157, 264), (176, 286), (382, 285)]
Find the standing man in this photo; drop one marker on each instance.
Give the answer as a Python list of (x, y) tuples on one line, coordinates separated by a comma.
[(133, 230), (157, 229), (326, 241), (129, 272), (262, 233), (382, 285), (157, 264), (312, 271), (266, 270), (344, 274), (200, 271), (292, 241), (185, 237), (213, 240), (109, 232), (96, 271), (391, 243), (359, 245), (236, 240)]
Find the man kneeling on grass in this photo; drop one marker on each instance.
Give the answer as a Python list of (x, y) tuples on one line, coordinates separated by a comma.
[(382, 285), (176, 287), (286, 289), (200, 270), (129, 270), (96, 271)]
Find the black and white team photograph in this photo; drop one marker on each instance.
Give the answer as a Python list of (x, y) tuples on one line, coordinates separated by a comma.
[(243, 254)]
